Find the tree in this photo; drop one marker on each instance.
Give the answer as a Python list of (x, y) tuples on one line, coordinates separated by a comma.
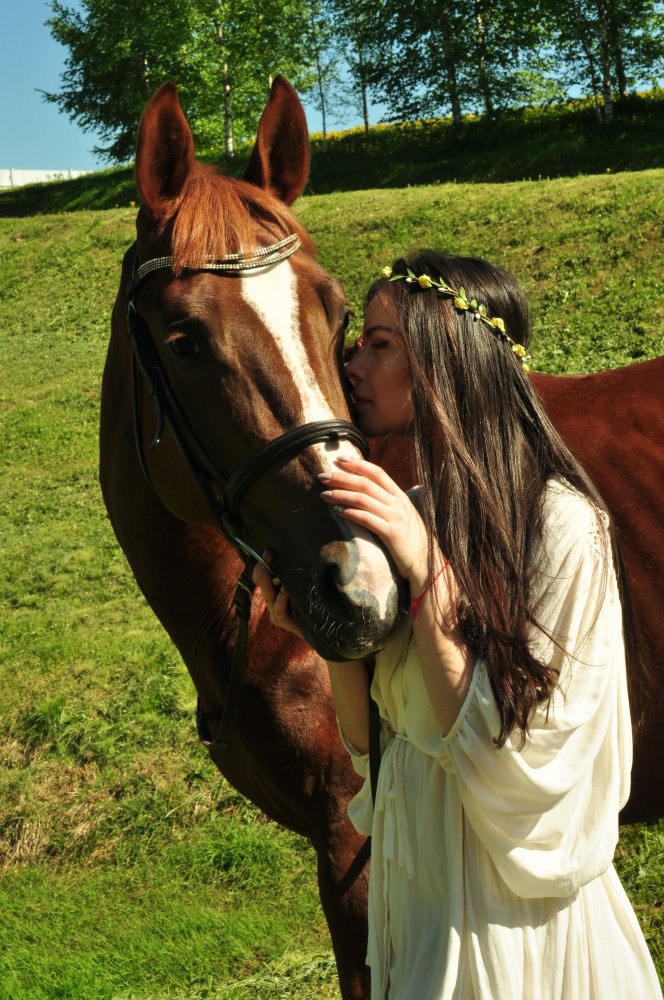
[(237, 49), (606, 46), (355, 22), (502, 64), (323, 47), (221, 53), (448, 55), (116, 59), (418, 52)]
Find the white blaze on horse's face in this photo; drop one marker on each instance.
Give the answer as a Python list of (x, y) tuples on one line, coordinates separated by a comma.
[(272, 294)]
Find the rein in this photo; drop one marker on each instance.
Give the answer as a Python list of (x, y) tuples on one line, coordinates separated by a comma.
[(222, 492)]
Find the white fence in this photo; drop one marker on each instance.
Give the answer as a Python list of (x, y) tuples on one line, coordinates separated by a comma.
[(12, 177)]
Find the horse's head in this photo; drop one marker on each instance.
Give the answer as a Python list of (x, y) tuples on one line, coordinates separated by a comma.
[(240, 357)]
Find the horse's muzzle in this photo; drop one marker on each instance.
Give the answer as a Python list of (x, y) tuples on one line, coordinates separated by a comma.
[(356, 604)]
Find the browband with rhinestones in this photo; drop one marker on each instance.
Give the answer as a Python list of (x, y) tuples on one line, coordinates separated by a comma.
[(233, 261)]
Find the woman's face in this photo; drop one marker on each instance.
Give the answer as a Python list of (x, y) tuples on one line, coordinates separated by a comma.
[(378, 373)]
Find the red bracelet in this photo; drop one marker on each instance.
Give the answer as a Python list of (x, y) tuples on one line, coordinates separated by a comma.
[(416, 601)]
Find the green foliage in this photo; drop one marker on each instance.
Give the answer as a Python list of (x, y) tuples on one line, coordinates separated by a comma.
[(432, 58), (116, 57), (606, 47), (440, 56), (236, 48), (533, 143), (421, 59), (560, 141), (118, 54), (129, 868)]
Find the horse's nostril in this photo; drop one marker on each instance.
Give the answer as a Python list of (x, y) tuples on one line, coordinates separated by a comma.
[(328, 579)]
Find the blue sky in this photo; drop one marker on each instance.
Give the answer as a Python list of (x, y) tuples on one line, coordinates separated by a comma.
[(34, 135)]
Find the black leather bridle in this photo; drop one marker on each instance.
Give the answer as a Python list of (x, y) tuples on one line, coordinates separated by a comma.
[(222, 492)]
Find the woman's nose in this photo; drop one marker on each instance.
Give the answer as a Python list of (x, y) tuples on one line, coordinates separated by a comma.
[(353, 369)]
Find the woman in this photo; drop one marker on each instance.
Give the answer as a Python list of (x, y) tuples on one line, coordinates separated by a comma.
[(505, 726)]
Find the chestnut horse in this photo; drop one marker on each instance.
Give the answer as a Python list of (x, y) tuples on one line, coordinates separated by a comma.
[(230, 362), (222, 349)]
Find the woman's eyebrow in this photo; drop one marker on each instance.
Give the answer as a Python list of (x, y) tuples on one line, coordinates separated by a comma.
[(377, 326)]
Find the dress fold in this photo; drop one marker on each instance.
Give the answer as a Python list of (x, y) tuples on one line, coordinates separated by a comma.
[(492, 872)]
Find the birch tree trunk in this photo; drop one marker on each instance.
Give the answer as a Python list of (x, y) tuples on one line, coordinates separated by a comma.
[(587, 51), (481, 61), (361, 66), (450, 70), (319, 72), (617, 49), (228, 115), (605, 57)]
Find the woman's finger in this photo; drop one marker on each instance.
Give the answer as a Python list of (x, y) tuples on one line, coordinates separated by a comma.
[(357, 501), (338, 479), (263, 581), (368, 470), (379, 526), (276, 601)]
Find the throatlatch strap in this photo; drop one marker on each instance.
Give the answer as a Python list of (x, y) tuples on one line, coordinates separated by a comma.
[(243, 594), (374, 740)]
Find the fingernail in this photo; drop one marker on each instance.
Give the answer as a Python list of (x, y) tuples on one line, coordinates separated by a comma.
[(326, 495), (324, 476)]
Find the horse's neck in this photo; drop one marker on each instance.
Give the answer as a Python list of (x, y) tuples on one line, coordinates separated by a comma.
[(395, 455)]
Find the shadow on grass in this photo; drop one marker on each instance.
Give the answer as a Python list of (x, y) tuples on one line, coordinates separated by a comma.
[(524, 144), (111, 188)]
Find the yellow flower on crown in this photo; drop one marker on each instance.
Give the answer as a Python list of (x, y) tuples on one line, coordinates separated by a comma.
[(463, 304)]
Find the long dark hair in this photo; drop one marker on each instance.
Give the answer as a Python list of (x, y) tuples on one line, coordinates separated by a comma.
[(482, 505)]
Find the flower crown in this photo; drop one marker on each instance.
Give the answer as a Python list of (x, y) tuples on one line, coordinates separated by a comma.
[(462, 302)]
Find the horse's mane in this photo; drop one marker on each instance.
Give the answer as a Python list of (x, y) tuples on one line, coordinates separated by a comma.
[(221, 215)]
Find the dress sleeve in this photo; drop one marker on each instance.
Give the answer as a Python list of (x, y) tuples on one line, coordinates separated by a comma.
[(360, 808), (548, 814)]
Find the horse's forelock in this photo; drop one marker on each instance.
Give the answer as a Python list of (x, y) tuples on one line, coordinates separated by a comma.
[(221, 215)]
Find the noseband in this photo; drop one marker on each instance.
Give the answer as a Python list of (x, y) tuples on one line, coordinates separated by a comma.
[(222, 492)]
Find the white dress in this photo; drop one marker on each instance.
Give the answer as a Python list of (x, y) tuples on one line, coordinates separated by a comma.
[(491, 873)]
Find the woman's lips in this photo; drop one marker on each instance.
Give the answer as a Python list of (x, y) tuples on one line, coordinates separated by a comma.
[(360, 401)]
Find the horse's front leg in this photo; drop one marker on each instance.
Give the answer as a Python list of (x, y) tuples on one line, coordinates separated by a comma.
[(343, 876)]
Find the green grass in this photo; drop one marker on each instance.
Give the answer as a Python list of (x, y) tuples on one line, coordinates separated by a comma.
[(128, 867), (586, 250)]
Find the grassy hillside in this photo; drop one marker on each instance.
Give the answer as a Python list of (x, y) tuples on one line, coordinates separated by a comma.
[(128, 867), (528, 144)]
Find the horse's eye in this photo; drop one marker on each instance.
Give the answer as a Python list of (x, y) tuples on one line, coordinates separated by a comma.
[(183, 346)]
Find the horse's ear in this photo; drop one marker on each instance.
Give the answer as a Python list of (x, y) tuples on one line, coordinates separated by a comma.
[(164, 151), (279, 161)]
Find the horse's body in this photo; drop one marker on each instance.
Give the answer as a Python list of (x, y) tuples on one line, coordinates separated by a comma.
[(613, 422), (285, 754)]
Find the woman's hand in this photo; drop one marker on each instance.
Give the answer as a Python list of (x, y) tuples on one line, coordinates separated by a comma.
[(371, 499), (276, 599)]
